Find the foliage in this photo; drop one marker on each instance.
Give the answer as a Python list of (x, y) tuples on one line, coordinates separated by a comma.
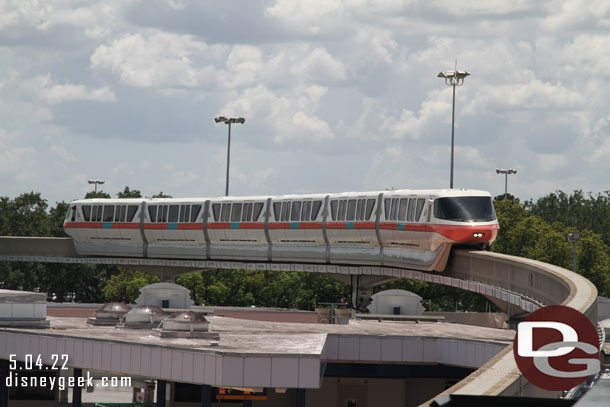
[(244, 288), (161, 195), (125, 286), (98, 194), (129, 193)]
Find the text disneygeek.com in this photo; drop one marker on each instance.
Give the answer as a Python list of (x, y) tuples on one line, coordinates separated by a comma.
[(27, 374)]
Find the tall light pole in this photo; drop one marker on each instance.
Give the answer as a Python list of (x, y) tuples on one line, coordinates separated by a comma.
[(506, 174), (574, 237), (453, 78), (96, 182), (229, 121)]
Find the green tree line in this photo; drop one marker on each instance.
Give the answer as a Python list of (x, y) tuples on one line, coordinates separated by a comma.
[(535, 230)]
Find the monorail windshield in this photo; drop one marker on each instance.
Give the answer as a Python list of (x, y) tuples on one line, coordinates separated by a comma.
[(465, 209)]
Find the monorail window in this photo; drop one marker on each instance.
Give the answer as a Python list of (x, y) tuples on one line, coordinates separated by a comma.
[(236, 212), (394, 210), (258, 207), (194, 212), (387, 203), (108, 213), (185, 212), (420, 207), (296, 211), (73, 210), (341, 214), (164, 213), (370, 204), (464, 209), (131, 212), (174, 211), (277, 210), (306, 210), (123, 213), (152, 213), (333, 209), (315, 209), (86, 212), (216, 211), (351, 210), (224, 216), (286, 211), (249, 211), (117, 213), (360, 210), (411, 213), (96, 216), (402, 209), (182, 213)]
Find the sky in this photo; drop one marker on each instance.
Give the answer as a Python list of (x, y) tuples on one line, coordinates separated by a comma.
[(337, 95)]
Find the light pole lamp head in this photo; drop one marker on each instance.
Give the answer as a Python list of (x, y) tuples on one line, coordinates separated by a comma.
[(454, 78), (240, 120), (95, 181), (503, 171), (229, 120), (573, 237)]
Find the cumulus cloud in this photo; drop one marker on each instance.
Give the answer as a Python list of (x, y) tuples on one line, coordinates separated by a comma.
[(413, 125), (16, 160), (158, 60), (534, 95), (95, 20), (291, 116), (62, 153), (42, 87)]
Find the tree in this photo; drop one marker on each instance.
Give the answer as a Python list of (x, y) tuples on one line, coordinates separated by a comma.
[(25, 215), (98, 194), (128, 193), (55, 219), (125, 286), (161, 195)]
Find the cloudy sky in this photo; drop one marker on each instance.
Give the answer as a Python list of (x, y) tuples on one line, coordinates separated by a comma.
[(337, 95)]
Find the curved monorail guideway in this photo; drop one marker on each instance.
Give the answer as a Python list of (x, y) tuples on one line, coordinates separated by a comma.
[(363, 239)]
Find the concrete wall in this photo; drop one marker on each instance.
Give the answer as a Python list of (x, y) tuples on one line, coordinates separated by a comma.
[(39, 246)]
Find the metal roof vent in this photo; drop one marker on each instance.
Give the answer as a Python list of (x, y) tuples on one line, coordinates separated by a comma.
[(142, 317), (185, 324), (109, 314)]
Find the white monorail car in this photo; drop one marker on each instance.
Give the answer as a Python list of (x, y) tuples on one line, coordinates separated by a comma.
[(400, 228)]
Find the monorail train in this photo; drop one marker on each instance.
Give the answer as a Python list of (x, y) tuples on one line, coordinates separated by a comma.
[(400, 228)]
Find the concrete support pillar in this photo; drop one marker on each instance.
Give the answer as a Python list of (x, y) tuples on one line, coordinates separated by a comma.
[(206, 395), (161, 392), (77, 391), (4, 373), (300, 399)]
